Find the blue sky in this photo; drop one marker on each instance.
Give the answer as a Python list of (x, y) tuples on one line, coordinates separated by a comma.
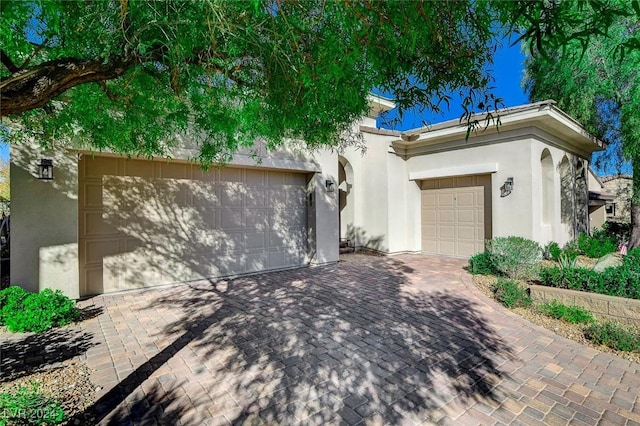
[(508, 69)]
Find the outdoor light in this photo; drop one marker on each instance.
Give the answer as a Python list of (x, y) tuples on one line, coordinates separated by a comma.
[(507, 187), (508, 184), (329, 185), (45, 169)]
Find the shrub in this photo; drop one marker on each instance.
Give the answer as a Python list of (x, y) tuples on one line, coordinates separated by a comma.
[(571, 250), (552, 251), (598, 244), (480, 264), (511, 293), (21, 310), (623, 281), (29, 406), (515, 257), (572, 314), (613, 335), (618, 230)]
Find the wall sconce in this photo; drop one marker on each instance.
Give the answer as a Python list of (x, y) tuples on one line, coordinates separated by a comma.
[(45, 169), (329, 185), (507, 187)]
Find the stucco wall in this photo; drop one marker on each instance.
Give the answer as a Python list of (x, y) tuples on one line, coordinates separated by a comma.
[(44, 221), (374, 199), (44, 234)]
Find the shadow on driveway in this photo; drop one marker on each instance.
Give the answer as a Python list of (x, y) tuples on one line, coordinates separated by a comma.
[(343, 342)]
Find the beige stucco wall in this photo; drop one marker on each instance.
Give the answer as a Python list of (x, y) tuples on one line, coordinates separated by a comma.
[(44, 221), (387, 203), (597, 218)]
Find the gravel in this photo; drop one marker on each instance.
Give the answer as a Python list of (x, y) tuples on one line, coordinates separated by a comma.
[(565, 329), (67, 382)]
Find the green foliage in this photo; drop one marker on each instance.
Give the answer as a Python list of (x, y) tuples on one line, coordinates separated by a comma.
[(571, 250), (27, 406), (594, 79), (617, 230), (572, 314), (480, 264), (225, 73), (598, 244), (614, 335), (567, 262), (552, 251), (621, 281), (515, 257), (22, 311), (511, 293)]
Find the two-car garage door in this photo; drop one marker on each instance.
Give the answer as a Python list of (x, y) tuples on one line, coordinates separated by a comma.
[(456, 215), (146, 223)]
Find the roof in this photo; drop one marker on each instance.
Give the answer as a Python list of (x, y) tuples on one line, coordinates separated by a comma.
[(614, 177), (545, 116)]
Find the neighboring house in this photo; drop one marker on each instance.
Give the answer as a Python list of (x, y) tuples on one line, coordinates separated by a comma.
[(599, 198), (107, 223), (618, 209)]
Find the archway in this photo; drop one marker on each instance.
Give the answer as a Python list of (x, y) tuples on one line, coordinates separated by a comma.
[(346, 198), (547, 200)]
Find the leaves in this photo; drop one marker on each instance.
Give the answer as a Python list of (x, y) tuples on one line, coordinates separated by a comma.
[(223, 74)]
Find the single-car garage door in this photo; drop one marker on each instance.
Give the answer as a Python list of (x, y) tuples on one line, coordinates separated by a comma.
[(456, 215), (145, 223)]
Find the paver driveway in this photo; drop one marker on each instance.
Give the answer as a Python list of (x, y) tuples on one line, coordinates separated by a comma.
[(378, 340)]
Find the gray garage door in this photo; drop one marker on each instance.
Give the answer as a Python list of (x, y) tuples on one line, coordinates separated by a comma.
[(456, 215), (146, 223)]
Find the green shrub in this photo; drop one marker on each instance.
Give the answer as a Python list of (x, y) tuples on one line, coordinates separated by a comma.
[(566, 261), (480, 264), (571, 250), (622, 281), (515, 257), (511, 293), (22, 311), (27, 406), (552, 251), (572, 314), (598, 244), (617, 230), (613, 335)]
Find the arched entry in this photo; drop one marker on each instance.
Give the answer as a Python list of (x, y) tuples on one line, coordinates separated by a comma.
[(346, 197), (567, 195)]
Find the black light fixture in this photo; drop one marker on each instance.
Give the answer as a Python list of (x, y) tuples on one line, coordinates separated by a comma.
[(507, 187), (329, 185), (45, 169)]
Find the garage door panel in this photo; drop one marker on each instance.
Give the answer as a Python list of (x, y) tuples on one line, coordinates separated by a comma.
[(446, 199), (446, 216), (453, 215), (465, 216), (446, 232), (465, 199), (155, 226), (466, 233)]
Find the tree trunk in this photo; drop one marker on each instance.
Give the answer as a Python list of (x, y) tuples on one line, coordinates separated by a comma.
[(634, 241)]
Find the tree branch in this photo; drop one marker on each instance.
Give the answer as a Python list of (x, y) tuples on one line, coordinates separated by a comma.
[(7, 62), (33, 88)]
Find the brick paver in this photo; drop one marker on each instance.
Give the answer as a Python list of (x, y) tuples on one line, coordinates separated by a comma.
[(369, 340)]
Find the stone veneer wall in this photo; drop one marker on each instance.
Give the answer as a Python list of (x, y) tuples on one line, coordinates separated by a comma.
[(611, 307)]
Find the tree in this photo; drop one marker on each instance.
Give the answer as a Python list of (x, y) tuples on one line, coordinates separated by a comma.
[(129, 76), (598, 83)]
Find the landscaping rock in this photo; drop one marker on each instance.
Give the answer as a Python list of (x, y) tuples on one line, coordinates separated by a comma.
[(607, 261)]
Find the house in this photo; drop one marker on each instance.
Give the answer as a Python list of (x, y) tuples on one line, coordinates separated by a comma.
[(619, 208), (599, 199), (107, 223)]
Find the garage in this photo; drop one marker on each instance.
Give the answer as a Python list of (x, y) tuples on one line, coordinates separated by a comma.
[(145, 223), (455, 215)]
